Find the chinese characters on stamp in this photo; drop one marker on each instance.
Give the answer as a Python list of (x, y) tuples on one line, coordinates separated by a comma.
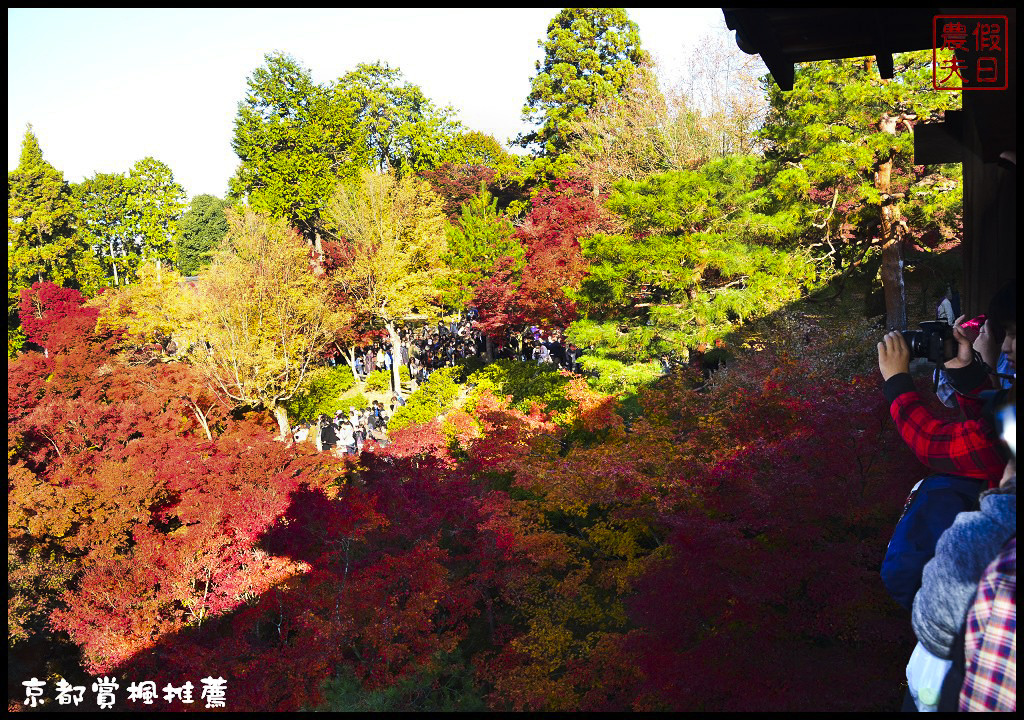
[(969, 52)]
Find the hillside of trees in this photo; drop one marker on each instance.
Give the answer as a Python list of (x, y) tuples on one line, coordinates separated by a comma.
[(694, 521)]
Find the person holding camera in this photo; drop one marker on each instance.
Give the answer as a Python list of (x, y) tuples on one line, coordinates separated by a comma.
[(970, 447)]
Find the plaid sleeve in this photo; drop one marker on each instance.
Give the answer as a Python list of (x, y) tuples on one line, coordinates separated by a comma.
[(969, 448), (990, 644)]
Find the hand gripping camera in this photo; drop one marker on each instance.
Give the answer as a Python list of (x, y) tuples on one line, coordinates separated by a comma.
[(933, 341)]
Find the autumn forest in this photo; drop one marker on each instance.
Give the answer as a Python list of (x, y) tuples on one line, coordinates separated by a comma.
[(693, 521)]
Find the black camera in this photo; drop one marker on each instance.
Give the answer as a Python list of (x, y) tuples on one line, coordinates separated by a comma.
[(933, 341)]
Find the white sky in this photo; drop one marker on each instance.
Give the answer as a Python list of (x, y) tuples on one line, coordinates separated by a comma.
[(105, 88)]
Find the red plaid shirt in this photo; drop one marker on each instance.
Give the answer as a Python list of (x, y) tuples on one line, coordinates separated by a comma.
[(990, 645), (969, 448)]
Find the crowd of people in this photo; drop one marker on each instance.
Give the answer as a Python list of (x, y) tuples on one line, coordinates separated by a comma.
[(963, 586), (425, 349)]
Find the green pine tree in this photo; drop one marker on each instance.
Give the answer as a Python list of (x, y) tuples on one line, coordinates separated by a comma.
[(847, 135), (589, 54), (475, 242)]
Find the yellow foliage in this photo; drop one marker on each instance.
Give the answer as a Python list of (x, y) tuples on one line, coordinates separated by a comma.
[(395, 233), (263, 313)]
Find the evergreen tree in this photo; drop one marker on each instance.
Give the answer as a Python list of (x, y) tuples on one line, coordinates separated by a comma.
[(475, 242), (589, 54), (202, 227), (847, 135), (704, 249), (42, 242), (158, 202), (108, 220)]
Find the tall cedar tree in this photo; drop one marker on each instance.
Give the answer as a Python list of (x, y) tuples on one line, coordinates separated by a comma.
[(589, 54), (42, 239)]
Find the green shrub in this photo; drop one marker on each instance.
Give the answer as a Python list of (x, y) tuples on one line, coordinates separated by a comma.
[(352, 399), (525, 383), (468, 366), (615, 377), (434, 397), (380, 380), (320, 393)]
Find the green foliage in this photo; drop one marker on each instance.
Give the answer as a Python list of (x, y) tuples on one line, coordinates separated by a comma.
[(475, 242), (525, 383), (202, 227), (42, 242), (352, 399), (131, 218), (105, 218), (294, 143), (321, 392), (445, 685), (477, 148), (827, 131), (398, 128), (434, 397), (15, 342), (615, 377), (380, 380), (156, 202), (589, 54), (708, 248)]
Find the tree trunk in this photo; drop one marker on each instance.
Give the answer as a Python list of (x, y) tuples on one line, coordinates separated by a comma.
[(349, 353), (396, 358), (892, 240), (113, 262), (490, 348), (282, 422), (317, 442)]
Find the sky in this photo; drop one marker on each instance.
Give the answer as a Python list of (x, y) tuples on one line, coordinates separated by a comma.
[(103, 89)]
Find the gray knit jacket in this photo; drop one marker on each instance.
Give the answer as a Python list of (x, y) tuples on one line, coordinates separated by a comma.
[(951, 578)]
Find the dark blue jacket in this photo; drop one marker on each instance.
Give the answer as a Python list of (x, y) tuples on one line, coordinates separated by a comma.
[(930, 510)]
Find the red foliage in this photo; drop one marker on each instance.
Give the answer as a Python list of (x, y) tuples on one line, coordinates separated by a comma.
[(458, 183), (719, 553), (53, 317), (550, 236)]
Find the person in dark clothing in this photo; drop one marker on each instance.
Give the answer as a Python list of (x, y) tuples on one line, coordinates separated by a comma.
[(328, 435)]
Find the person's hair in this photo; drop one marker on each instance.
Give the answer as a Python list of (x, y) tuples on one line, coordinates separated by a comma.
[(1002, 310)]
